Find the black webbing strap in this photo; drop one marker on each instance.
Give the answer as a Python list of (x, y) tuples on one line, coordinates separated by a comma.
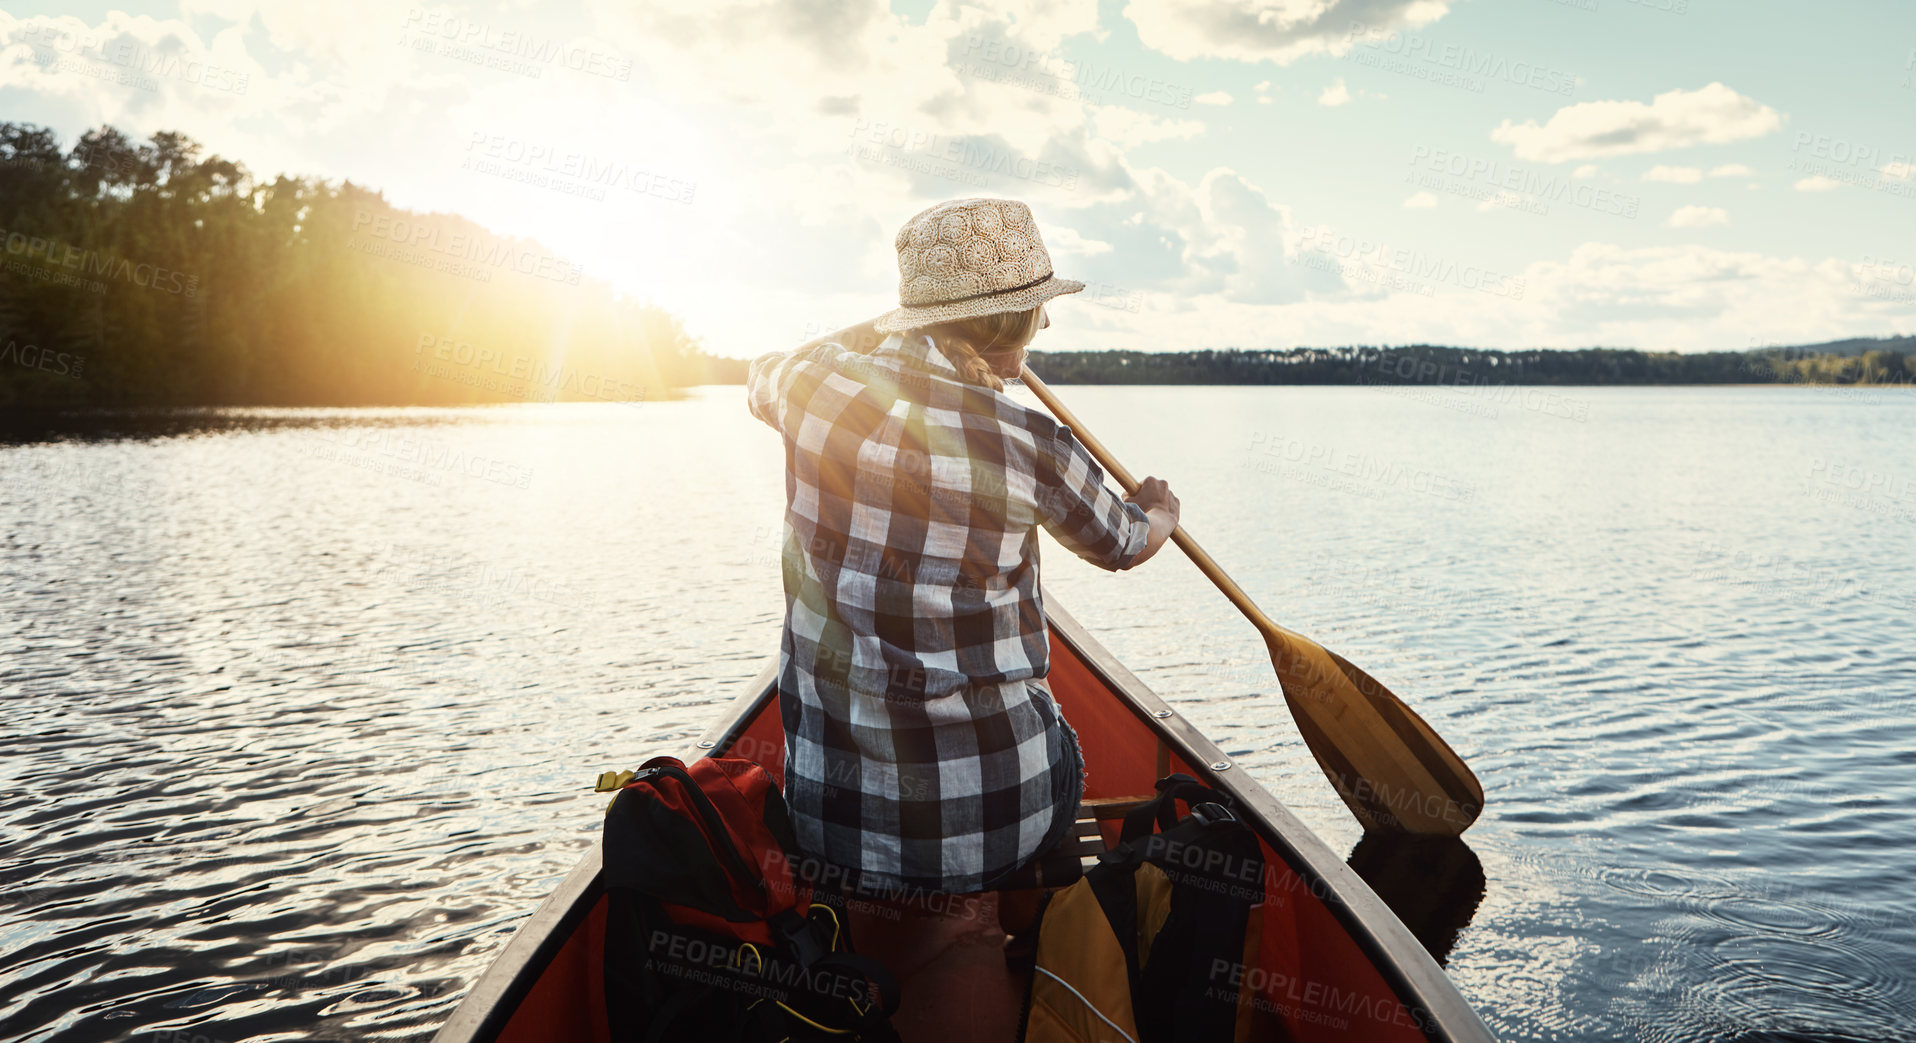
[(642, 1005), (1184, 995), (1163, 808), (1114, 885), (1216, 872)]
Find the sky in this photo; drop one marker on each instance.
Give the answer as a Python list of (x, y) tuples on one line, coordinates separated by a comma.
[(1681, 175)]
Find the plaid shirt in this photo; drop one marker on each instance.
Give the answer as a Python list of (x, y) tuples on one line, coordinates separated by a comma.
[(922, 747)]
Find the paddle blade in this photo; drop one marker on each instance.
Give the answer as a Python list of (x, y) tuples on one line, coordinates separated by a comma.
[(1395, 772)]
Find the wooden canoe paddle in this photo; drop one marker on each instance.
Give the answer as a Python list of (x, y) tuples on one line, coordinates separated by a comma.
[(1394, 771)]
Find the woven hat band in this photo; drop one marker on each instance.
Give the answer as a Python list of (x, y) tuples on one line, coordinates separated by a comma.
[(987, 293)]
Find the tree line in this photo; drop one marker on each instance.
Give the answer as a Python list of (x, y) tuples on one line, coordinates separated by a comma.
[(1433, 364), (1887, 361), (150, 274)]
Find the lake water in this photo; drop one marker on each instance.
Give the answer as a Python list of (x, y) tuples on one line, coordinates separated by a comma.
[(302, 708)]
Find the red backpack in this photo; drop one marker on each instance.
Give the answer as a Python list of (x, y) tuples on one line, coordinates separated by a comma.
[(713, 929)]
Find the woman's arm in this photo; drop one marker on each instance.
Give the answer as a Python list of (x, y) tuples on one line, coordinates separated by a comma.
[(1161, 506)]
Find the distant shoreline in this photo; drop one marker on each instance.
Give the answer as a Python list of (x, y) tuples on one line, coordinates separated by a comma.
[(1900, 385), (1856, 363)]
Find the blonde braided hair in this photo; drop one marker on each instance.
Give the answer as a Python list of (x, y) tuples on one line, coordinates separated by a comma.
[(966, 342)]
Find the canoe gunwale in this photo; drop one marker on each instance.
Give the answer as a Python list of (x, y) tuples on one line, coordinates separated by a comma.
[(1399, 957), (485, 1010), (1396, 953)]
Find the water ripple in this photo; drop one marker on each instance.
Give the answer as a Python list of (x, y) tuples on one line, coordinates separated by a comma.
[(294, 742)]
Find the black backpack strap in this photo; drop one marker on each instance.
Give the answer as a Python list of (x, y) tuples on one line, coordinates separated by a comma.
[(1114, 885), (643, 1004), (1206, 927), (1163, 809)]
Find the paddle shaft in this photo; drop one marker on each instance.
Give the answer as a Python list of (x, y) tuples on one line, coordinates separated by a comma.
[(1202, 560), (1391, 768)]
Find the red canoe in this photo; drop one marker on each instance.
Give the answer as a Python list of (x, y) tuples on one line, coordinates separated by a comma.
[(1335, 963)]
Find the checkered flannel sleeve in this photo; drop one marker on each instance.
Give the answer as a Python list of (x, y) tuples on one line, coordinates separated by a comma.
[(1084, 514), (769, 380)]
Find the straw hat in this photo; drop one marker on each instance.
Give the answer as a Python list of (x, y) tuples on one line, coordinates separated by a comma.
[(971, 257)]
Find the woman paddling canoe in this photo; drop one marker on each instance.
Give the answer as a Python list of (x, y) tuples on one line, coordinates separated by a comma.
[(905, 422), (923, 749)]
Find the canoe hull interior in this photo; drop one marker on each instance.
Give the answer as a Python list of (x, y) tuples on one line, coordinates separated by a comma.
[(1334, 962)]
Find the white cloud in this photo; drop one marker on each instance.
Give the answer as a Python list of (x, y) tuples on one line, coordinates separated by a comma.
[(135, 71), (1818, 183), (1675, 119), (1129, 127), (1675, 175), (1335, 94), (1732, 170), (1901, 170), (1662, 298), (716, 91), (1234, 242), (1064, 239), (1698, 217), (1279, 31), (1691, 297)]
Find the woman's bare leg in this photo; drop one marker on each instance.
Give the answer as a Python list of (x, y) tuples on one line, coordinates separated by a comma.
[(948, 954)]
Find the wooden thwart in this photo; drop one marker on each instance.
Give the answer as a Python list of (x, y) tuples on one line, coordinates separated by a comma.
[(1068, 861)]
